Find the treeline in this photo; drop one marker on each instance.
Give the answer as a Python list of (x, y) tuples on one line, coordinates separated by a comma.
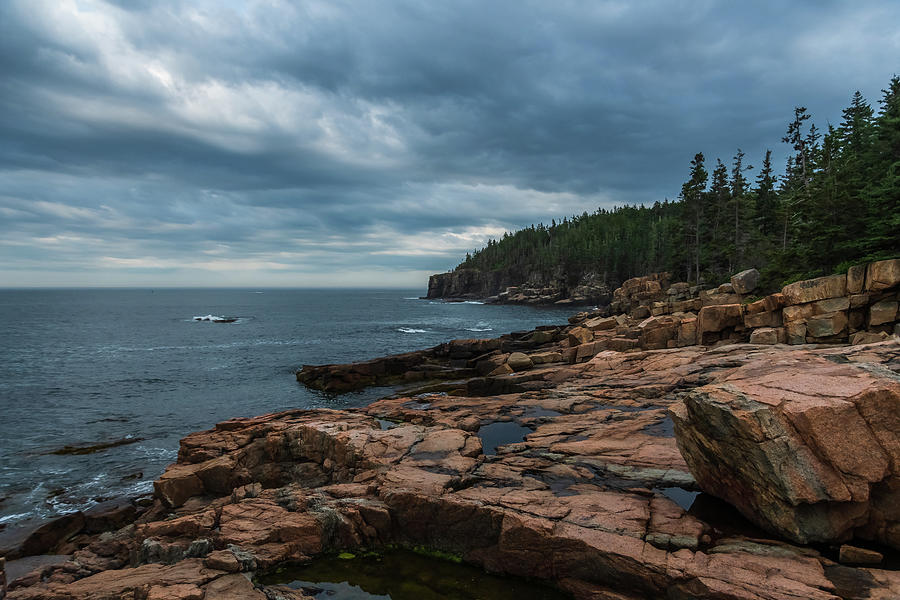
[(837, 203)]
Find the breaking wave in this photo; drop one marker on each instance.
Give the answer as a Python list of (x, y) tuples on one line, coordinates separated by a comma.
[(215, 319)]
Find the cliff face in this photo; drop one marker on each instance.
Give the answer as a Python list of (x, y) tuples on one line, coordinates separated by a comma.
[(515, 288), (467, 283)]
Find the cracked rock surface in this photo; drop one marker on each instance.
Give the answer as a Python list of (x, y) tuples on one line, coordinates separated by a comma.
[(578, 481), (807, 446)]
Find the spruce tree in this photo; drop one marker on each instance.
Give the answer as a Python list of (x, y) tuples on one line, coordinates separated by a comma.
[(693, 196), (738, 191)]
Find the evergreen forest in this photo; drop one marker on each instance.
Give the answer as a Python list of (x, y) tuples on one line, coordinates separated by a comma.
[(836, 203)]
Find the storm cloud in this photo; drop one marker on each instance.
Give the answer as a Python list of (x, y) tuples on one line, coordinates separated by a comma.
[(371, 143)]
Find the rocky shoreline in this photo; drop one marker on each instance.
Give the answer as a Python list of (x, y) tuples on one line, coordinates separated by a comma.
[(502, 287), (576, 454)]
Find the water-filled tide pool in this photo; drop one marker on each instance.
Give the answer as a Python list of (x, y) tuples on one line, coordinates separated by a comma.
[(405, 575)]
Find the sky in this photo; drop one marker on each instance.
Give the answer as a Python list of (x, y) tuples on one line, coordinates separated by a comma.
[(269, 143)]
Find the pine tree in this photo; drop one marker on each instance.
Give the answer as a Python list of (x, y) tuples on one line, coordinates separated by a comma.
[(738, 191), (798, 142), (717, 247), (766, 200), (692, 196)]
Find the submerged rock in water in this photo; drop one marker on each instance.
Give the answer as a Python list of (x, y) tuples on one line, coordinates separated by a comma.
[(92, 448), (807, 446)]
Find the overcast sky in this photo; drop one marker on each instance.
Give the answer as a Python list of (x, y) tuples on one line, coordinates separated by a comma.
[(268, 143)]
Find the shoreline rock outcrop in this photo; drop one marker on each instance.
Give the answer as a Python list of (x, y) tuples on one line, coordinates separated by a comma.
[(504, 287), (647, 313), (577, 481), (552, 453), (807, 446)]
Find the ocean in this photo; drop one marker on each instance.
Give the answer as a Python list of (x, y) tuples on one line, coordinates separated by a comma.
[(135, 367)]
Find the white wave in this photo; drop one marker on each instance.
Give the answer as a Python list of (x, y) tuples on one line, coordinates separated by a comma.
[(141, 487), (412, 330), (214, 318), (479, 328), (16, 517), (160, 453), (413, 298)]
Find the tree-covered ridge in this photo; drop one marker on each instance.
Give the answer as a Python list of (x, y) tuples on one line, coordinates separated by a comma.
[(837, 203)]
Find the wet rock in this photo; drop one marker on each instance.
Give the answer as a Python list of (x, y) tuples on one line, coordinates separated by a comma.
[(99, 447), (48, 536), (109, 515)]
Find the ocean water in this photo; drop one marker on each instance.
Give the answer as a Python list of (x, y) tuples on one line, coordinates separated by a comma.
[(87, 367)]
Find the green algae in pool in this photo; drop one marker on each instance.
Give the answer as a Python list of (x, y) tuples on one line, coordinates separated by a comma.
[(405, 575)]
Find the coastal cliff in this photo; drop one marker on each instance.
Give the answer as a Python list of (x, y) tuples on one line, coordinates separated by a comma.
[(507, 287), (642, 451)]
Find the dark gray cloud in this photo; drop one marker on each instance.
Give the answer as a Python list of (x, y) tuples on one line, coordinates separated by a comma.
[(321, 143)]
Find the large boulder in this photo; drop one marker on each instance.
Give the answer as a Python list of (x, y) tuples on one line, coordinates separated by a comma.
[(856, 279), (883, 312), (764, 336), (827, 325), (811, 290), (807, 446), (601, 323), (656, 332), (883, 274), (580, 335), (745, 281), (518, 361), (718, 317)]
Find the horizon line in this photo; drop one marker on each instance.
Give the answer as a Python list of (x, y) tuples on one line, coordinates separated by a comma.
[(200, 287)]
